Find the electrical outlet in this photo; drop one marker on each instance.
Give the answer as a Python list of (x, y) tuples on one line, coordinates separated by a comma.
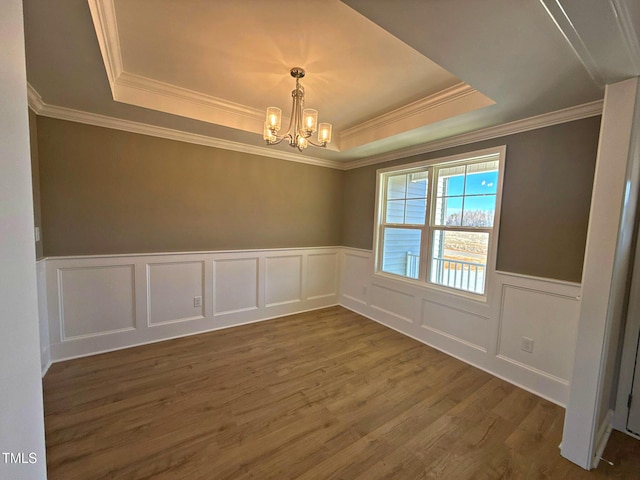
[(527, 344), (197, 301), (37, 234)]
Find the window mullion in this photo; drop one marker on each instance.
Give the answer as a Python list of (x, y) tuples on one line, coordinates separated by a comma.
[(426, 232)]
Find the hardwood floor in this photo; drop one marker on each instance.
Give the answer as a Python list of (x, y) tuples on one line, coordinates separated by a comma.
[(321, 395)]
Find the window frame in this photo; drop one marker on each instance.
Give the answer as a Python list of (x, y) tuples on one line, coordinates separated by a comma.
[(429, 228)]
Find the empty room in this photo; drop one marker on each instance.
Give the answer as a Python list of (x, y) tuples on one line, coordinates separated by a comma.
[(331, 239)]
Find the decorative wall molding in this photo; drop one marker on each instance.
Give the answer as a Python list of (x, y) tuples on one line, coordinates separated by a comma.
[(103, 14), (565, 115), (471, 331), (89, 297), (237, 287), (168, 281), (153, 94), (87, 311), (455, 100), (145, 92), (62, 113)]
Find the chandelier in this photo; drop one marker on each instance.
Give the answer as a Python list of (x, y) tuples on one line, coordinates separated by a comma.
[(302, 124)]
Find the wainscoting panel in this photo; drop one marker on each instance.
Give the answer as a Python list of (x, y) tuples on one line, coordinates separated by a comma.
[(393, 302), (487, 334), (283, 282), (322, 275), (355, 275), (95, 304), (173, 290), (458, 324), (534, 314), (235, 285), (96, 300)]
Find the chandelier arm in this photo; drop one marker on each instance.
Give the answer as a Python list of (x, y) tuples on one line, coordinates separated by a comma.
[(321, 145), (276, 142)]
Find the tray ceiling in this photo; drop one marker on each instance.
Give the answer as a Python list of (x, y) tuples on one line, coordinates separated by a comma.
[(225, 62), (396, 78)]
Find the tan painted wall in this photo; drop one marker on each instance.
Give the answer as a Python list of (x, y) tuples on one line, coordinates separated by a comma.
[(545, 204), (106, 191)]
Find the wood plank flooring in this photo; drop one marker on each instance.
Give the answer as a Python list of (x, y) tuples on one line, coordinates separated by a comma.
[(321, 395)]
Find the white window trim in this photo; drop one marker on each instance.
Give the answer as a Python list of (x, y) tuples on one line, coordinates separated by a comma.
[(423, 280)]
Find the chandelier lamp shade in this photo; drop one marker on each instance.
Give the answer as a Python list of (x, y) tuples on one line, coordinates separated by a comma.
[(303, 122)]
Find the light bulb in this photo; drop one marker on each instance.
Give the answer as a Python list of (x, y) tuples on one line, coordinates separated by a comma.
[(310, 117), (324, 133), (274, 114)]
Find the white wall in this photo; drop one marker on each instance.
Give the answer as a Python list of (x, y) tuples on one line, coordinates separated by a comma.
[(632, 328), (100, 303), (487, 335), (21, 413), (604, 280)]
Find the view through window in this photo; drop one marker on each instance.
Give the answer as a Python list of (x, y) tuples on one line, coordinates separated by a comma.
[(437, 221)]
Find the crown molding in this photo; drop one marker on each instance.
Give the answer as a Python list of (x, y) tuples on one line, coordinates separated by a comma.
[(103, 13), (62, 113), (149, 93), (144, 92), (149, 85), (540, 121), (455, 92), (34, 100), (532, 123), (455, 100)]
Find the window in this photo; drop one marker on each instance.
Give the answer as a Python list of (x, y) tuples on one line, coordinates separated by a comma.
[(437, 220)]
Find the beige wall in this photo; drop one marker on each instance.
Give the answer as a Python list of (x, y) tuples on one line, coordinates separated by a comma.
[(107, 191), (545, 204)]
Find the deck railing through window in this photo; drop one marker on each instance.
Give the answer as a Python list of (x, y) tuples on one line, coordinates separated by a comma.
[(413, 264), (467, 276)]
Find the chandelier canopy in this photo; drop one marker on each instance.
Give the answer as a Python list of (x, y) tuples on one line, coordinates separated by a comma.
[(302, 124)]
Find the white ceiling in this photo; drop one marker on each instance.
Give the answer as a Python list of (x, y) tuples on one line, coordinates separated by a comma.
[(388, 75)]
